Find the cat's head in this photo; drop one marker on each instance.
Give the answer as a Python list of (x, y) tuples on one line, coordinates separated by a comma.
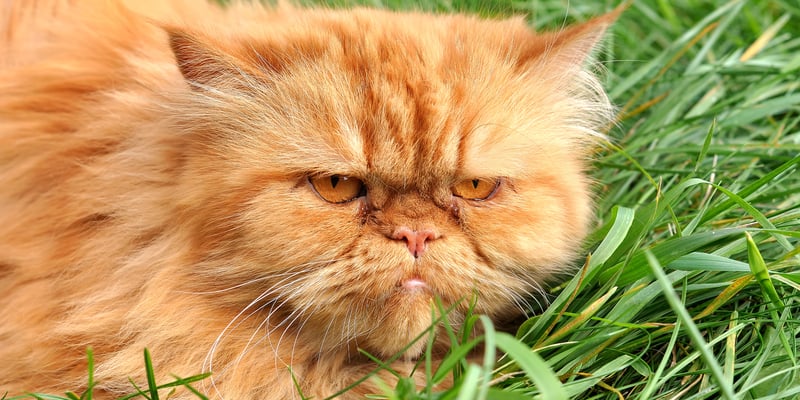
[(352, 166)]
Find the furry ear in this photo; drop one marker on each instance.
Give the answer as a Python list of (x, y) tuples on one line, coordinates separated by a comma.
[(202, 65), (571, 46)]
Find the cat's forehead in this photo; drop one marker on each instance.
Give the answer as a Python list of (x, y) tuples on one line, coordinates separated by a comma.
[(413, 96), (431, 133), (409, 128), (408, 99)]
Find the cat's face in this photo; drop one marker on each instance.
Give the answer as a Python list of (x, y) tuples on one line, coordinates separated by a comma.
[(354, 169)]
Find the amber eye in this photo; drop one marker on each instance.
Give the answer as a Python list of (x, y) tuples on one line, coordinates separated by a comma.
[(337, 188), (476, 189)]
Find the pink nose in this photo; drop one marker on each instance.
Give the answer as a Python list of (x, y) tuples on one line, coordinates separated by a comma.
[(415, 240)]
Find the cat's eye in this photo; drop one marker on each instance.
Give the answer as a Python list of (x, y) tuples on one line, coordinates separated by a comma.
[(337, 188), (476, 189)]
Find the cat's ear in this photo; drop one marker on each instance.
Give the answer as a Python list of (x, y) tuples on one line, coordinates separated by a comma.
[(202, 64), (571, 46)]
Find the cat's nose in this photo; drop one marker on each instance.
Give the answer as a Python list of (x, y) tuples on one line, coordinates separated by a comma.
[(416, 240)]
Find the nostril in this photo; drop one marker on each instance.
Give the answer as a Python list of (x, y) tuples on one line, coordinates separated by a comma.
[(416, 241)]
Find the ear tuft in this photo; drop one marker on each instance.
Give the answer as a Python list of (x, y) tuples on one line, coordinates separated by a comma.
[(574, 45), (198, 62)]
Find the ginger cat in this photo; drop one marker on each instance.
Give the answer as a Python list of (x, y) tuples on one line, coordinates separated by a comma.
[(249, 189)]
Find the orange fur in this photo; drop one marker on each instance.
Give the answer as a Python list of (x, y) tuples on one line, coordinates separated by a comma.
[(154, 159)]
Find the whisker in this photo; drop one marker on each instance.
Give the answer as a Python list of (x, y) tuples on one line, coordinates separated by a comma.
[(290, 272), (273, 309), (278, 287)]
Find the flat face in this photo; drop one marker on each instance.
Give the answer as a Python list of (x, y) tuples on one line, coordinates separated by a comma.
[(338, 132)]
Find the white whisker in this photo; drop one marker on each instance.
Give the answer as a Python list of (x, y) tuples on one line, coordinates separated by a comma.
[(288, 278)]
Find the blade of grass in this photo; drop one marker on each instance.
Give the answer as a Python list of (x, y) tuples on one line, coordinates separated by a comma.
[(470, 383), (726, 295), (751, 188), (534, 366), (584, 315), (652, 381), (489, 355), (761, 273), (693, 332)]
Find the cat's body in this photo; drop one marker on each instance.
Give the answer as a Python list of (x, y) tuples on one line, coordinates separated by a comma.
[(163, 186)]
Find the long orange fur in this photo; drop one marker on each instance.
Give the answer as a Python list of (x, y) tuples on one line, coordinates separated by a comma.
[(154, 159)]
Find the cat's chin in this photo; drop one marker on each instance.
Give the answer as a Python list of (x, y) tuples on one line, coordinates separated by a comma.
[(413, 285), (407, 313)]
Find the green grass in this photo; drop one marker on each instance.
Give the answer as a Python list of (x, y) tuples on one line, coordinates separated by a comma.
[(691, 287)]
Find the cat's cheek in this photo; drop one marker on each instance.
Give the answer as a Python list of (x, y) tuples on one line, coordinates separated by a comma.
[(291, 225), (539, 227)]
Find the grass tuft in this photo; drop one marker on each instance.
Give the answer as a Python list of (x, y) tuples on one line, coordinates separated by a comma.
[(152, 393)]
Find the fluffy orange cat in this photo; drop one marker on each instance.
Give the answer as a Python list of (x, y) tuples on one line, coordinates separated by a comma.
[(258, 192)]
